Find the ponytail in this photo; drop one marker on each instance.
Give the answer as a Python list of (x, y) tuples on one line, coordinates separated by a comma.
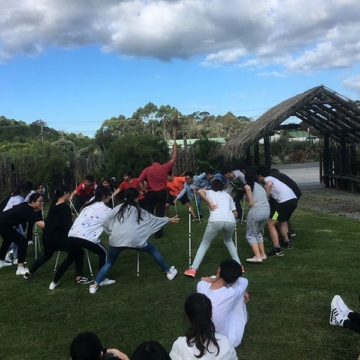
[(100, 192)]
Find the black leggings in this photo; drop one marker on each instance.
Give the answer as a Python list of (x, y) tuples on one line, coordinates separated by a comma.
[(61, 245), (353, 323), (9, 235), (98, 249)]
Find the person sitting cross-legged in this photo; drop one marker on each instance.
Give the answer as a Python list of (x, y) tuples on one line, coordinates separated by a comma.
[(228, 295)]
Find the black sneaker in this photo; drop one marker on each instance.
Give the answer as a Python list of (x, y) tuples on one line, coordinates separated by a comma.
[(201, 217), (28, 276), (292, 233), (84, 280), (275, 252), (286, 244)]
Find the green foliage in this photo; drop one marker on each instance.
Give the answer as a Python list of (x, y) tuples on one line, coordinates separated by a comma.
[(206, 153), (288, 309), (133, 152)]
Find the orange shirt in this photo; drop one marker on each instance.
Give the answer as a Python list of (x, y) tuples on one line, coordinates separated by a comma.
[(176, 185), (134, 184)]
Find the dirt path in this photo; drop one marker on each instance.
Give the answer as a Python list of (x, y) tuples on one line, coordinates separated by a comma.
[(337, 202)]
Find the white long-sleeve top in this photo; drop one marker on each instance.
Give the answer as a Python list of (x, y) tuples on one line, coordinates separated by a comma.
[(127, 231), (88, 225)]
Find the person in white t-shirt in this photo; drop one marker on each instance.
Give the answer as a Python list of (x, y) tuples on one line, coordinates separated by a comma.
[(85, 233), (228, 295), (286, 203), (222, 218), (201, 340)]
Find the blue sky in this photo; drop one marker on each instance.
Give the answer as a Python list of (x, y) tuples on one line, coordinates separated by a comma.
[(76, 64)]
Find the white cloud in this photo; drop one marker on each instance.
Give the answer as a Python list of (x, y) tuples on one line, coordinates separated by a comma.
[(272, 73), (296, 34), (353, 83)]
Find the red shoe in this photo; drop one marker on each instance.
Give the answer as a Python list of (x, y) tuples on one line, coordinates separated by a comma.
[(190, 272)]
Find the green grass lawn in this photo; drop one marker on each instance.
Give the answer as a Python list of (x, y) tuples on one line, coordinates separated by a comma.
[(288, 310)]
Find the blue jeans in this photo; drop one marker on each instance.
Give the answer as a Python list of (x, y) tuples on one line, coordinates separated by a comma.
[(114, 252), (212, 229), (237, 198)]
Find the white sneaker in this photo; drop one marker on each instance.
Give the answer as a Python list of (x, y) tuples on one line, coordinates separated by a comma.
[(4, 263), (53, 286), (264, 257), (30, 242), (342, 306), (21, 271), (172, 273), (93, 289), (254, 259), (106, 282), (15, 261), (8, 258)]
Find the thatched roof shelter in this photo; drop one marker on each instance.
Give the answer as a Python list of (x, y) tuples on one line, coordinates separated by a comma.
[(325, 110)]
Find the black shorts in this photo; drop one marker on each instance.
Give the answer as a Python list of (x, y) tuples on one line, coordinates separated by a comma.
[(170, 199), (283, 211), (184, 199)]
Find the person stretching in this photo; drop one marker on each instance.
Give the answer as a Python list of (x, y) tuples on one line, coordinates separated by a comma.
[(222, 217), (129, 227), (85, 233), (228, 295), (201, 340)]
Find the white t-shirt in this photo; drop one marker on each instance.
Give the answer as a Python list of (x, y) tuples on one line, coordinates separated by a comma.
[(181, 351), (14, 200), (88, 225), (279, 191), (229, 313), (225, 203)]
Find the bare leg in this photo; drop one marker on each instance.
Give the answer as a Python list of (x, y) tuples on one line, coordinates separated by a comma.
[(256, 250), (271, 225)]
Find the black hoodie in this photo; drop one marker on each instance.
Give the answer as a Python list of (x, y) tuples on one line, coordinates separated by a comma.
[(57, 223)]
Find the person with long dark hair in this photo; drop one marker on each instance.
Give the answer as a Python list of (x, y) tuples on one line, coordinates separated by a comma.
[(201, 341), (129, 227), (87, 346), (257, 216), (55, 236), (85, 233), (9, 220)]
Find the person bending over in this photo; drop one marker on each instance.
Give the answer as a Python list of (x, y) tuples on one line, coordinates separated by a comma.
[(9, 220), (201, 340), (86, 232), (55, 236), (257, 216), (222, 218), (228, 295), (130, 227)]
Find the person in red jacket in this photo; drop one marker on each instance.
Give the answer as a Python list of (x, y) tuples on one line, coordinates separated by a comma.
[(128, 182), (84, 192)]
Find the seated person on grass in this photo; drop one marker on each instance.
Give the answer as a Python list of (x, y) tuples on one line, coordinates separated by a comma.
[(228, 295), (87, 346)]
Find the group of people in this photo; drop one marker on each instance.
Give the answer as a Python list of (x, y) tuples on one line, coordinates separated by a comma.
[(216, 315), (220, 300)]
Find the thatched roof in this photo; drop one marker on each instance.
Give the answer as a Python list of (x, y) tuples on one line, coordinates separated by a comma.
[(319, 107)]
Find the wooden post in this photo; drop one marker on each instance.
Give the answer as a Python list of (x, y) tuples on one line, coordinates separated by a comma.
[(326, 159), (256, 154), (267, 151)]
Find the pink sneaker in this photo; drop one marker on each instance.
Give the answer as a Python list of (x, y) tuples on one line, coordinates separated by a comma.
[(190, 272)]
